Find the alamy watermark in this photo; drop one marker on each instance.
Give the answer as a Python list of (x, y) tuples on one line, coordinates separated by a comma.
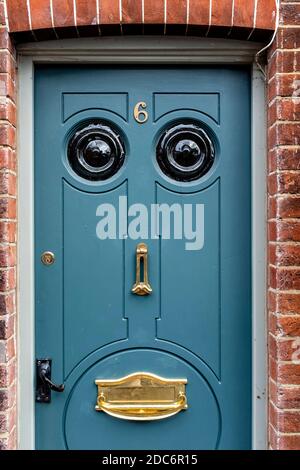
[(137, 221)]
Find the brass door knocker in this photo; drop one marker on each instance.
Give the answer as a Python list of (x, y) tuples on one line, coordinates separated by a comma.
[(141, 286)]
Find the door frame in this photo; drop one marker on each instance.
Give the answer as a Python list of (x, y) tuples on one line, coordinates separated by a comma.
[(137, 50)]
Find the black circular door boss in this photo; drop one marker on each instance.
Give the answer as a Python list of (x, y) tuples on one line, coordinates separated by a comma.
[(96, 152), (185, 152)]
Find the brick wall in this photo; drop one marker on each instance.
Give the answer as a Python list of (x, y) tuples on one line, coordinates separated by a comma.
[(8, 376), (284, 230), (49, 19)]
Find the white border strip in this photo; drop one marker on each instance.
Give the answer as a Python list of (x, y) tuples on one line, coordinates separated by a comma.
[(26, 336), (259, 276)]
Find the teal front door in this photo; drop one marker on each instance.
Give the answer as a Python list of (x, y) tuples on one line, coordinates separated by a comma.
[(143, 257)]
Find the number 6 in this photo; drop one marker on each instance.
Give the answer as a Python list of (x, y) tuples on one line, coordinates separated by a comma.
[(140, 113)]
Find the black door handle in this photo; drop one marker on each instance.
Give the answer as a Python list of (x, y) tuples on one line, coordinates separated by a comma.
[(44, 384)]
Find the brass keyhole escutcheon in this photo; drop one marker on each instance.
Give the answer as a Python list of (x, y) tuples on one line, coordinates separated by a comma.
[(48, 258), (141, 285)]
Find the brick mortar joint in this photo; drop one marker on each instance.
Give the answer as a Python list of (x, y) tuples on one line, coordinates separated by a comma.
[(284, 386), (285, 410), (282, 434)]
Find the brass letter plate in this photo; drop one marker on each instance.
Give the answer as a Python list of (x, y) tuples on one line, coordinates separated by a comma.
[(141, 397)]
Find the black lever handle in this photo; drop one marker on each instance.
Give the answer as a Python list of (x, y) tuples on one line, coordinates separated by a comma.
[(45, 379), (44, 384)]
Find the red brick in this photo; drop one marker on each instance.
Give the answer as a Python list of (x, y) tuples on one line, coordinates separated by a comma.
[(199, 12), (284, 109), (3, 376), (3, 423), (289, 442), (286, 61), (7, 304), (154, 11), (7, 232), (284, 182), (284, 325), (285, 279), (7, 256), (285, 397), (17, 15), (7, 159), (285, 422), (288, 38), (8, 184), (7, 135), (290, 14), (284, 302), (285, 255), (8, 420), (2, 15), (284, 206), (86, 12), (265, 14), (288, 374), (12, 418), (4, 400), (284, 134), (40, 14), (284, 85), (63, 13), (12, 395), (273, 438), (285, 231), (284, 159), (7, 350), (11, 348), (131, 12), (7, 86), (11, 373), (7, 279), (176, 11), (7, 63), (7, 325), (221, 13), (8, 443), (109, 12), (12, 440), (7, 374), (6, 42), (284, 349), (8, 208), (8, 112), (244, 13), (272, 369)]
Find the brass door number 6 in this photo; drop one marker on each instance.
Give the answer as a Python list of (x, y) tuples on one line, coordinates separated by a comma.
[(140, 114)]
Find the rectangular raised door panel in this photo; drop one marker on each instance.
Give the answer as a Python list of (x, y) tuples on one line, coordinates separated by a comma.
[(170, 369)]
